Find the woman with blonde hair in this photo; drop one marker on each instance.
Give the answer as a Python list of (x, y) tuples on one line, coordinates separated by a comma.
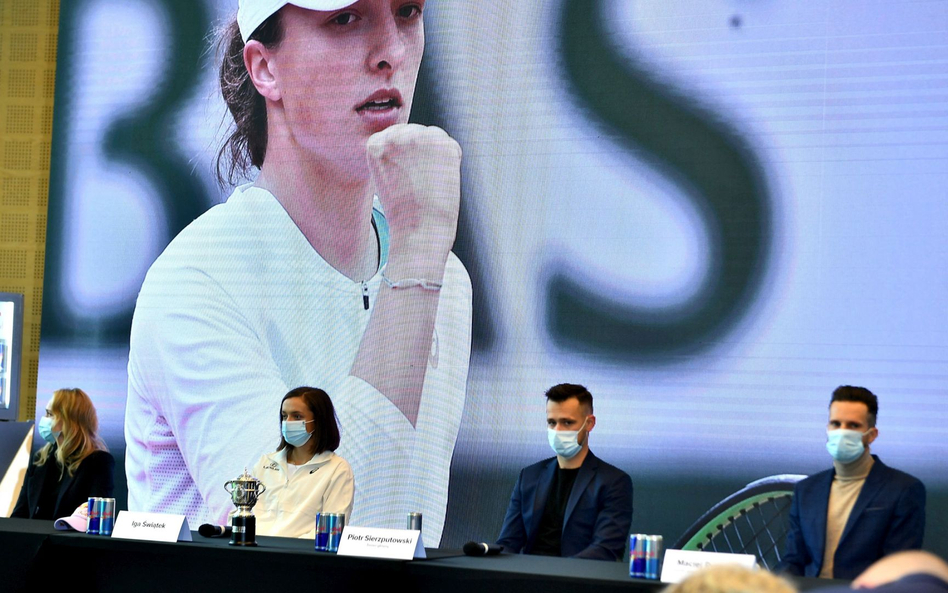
[(73, 465)]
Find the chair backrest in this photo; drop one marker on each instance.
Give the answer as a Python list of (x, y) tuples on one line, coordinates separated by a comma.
[(753, 520)]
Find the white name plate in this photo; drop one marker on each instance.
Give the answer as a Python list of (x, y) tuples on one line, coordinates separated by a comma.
[(678, 564), (153, 527), (375, 542)]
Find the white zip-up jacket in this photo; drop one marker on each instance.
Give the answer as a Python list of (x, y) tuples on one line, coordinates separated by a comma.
[(289, 505)]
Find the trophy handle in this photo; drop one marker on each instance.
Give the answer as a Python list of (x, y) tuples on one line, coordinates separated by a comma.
[(261, 487), (227, 487)]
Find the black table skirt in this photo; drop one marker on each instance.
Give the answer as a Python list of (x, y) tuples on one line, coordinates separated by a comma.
[(33, 553)]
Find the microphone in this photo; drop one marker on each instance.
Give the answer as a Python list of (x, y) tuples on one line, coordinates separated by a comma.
[(482, 549), (208, 530)]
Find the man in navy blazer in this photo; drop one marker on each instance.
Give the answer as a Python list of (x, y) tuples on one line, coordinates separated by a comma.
[(844, 519), (573, 504)]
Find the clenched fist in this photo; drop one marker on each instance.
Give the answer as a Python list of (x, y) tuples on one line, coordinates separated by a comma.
[(417, 174)]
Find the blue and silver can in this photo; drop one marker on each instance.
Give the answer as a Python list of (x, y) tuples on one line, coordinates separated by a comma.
[(653, 556), (106, 515), (322, 532), (637, 555), (337, 522), (93, 512)]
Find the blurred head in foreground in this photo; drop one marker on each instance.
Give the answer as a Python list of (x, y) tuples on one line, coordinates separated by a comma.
[(731, 578), (898, 566)]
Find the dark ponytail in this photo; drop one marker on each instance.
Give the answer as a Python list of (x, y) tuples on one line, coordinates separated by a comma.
[(246, 145)]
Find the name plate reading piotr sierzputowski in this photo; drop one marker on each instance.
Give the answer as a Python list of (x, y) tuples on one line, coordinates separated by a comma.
[(376, 542)]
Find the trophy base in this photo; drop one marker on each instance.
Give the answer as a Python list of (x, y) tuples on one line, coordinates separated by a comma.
[(243, 531)]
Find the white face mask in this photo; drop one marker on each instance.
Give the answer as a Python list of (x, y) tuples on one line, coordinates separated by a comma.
[(565, 443), (845, 445)]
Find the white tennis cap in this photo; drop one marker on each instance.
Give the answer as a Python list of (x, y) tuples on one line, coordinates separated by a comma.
[(252, 13)]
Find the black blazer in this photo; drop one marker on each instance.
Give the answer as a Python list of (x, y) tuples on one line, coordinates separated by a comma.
[(93, 478), (598, 513)]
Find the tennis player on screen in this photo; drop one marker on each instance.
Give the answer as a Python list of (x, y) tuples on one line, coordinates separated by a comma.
[(333, 268)]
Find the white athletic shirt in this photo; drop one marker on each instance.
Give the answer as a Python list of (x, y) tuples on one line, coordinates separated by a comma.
[(238, 310)]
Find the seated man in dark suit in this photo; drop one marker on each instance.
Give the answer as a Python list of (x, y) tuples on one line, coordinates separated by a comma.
[(573, 504), (845, 518)]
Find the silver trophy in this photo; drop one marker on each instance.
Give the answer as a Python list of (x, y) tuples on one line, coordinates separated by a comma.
[(244, 492)]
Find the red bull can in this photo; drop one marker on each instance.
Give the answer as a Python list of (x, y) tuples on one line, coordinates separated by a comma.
[(653, 556), (336, 523), (94, 513), (637, 555), (106, 515), (322, 532)]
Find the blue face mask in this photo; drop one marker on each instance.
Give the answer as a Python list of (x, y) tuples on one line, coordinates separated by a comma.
[(565, 443), (845, 445), (294, 432), (45, 428)]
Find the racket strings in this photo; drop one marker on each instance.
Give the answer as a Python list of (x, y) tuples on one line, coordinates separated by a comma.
[(759, 529)]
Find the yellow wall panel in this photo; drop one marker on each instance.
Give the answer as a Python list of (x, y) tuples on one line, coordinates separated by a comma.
[(28, 36)]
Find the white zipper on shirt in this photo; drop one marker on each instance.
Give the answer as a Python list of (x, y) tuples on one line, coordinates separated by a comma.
[(365, 295)]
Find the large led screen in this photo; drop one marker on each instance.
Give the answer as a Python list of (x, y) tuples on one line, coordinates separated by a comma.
[(709, 213)]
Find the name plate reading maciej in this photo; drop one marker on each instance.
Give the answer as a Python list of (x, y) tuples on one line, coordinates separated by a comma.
[(153, 527), (678, 564), (376, 542)]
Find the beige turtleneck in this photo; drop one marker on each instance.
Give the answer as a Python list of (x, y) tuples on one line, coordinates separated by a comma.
[(847, 484)]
